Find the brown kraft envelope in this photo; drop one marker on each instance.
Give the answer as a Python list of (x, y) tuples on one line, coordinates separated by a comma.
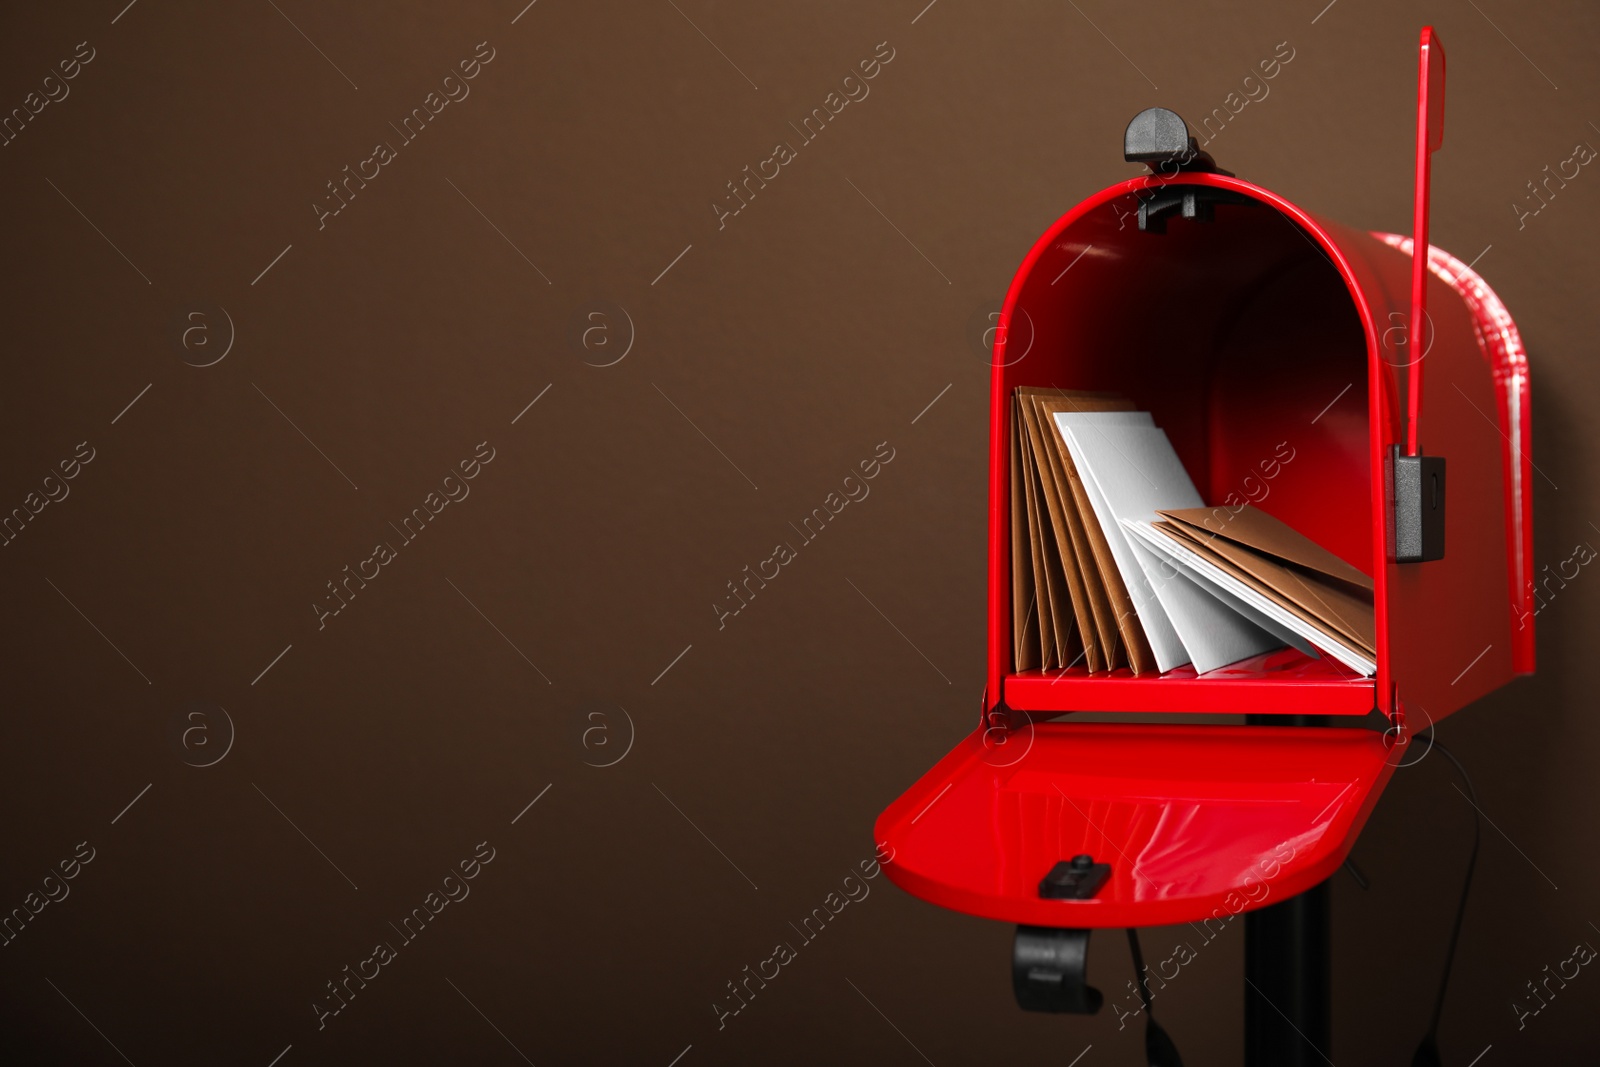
[(1042, 578), (1093, 601), (1134, 648), (1048, 552), (1093, 652), (1346, 621), (1255, 529), (1288, 567), (1024, 627)]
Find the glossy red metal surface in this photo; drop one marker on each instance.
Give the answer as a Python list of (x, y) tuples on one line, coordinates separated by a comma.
[(1267, 334), (1507, 362), (1197, 822), (1430, 135), (1285, 682)]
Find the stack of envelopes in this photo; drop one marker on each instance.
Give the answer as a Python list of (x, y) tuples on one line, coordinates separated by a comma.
[(1069, 602), (1274, 575), (1116, 562)]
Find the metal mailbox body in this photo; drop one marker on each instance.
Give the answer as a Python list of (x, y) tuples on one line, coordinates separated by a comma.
[(1270, 326), (1262, 333)]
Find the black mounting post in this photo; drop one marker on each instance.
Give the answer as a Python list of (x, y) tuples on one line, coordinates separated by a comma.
[(1288, 967), (1288, 987), (1049, 971)]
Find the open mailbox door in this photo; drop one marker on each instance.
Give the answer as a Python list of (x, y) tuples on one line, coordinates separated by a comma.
[(1249, 329), (1190, 823)]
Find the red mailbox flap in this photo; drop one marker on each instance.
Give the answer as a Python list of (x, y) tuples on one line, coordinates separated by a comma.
[(1196, 822)]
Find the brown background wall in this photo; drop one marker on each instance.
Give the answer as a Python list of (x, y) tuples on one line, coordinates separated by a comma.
[(773, 355)]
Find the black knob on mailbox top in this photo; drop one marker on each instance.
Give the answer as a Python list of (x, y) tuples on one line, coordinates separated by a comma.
[(1160, 139)]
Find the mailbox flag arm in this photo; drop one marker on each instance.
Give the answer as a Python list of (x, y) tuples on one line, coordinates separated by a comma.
[(1430, 135)]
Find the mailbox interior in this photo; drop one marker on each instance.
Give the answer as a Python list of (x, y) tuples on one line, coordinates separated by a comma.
[(1241, 338)]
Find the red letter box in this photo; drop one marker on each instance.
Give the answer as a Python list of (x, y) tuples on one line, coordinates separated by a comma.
[(1250, 329)]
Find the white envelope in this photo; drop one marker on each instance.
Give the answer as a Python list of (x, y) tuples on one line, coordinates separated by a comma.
[(1130, 472)]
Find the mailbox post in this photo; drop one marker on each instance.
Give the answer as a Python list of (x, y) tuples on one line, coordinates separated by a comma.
[(1246, 326)]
